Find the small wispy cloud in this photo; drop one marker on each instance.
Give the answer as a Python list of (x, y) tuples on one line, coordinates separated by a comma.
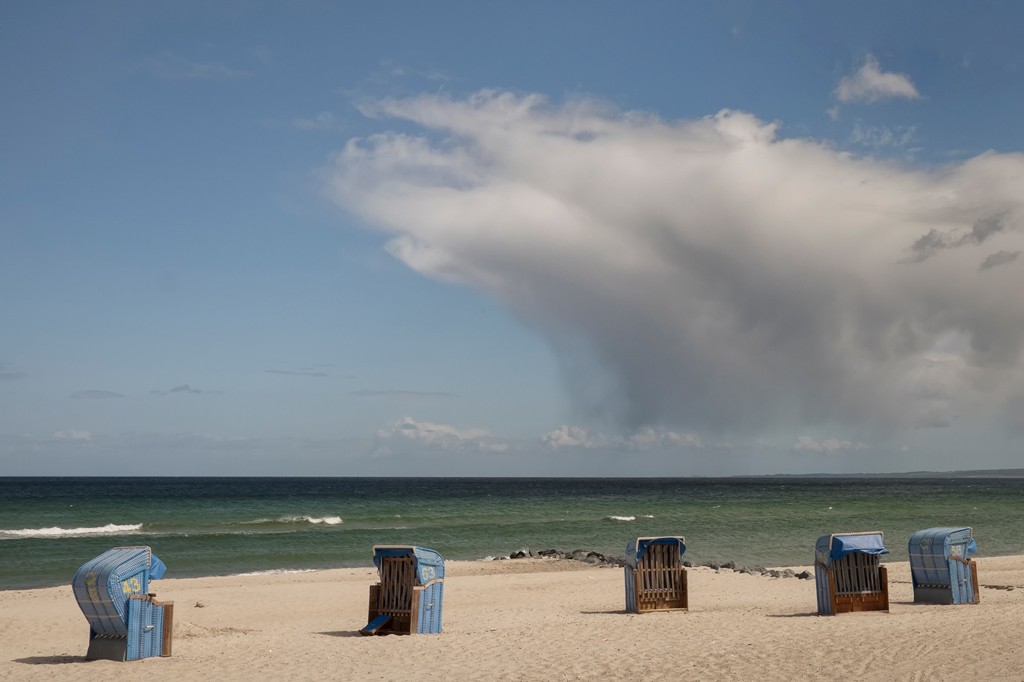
[(870, 84), (999, 258), (171, 66), (96, 395), (645, 439), (7, 375), (403, 395), (299, 372), (935, 241), (72, 434), (183, 388), (408, 435), (882, 136), (828, 446), (325, 120)]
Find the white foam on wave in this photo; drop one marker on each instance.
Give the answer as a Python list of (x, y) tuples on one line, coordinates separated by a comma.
[(56, 532), (280, 571), (647, 516), (326, 520), (621, 518)]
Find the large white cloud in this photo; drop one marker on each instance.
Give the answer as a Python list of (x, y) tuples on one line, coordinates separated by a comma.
[(720, 277)]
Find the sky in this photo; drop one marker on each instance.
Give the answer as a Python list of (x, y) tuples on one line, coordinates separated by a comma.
[(518, 239)]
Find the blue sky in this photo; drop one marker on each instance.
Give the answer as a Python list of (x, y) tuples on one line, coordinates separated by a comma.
[(332, 239)]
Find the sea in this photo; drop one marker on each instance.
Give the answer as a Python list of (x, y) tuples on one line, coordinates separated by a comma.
[(228, 526)]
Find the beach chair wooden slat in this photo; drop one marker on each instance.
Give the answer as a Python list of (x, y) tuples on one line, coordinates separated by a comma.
[(657, 580), (855, 581)]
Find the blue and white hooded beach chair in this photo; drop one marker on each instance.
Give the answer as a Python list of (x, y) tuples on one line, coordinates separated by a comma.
[(848, 575), (940, 568), (125, 622), (655, 577), (407, 600)]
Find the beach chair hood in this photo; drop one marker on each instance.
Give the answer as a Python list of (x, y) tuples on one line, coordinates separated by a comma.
[(636, 549), (429, 564), (104, 585), (838, 545), (931, 549)]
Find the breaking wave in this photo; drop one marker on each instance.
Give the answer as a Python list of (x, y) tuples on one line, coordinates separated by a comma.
[(326, 520), (621, 518), (280, 571), (56, 532)]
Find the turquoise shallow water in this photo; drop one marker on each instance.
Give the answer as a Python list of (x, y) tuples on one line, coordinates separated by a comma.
[(210, 526)]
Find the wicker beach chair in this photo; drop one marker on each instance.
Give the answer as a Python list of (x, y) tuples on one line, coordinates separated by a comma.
[(407, 600), (848, 575), (655, 577), (125, 622), (940, 568)]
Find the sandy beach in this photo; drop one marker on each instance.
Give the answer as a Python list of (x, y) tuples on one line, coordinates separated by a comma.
[(536, 619)]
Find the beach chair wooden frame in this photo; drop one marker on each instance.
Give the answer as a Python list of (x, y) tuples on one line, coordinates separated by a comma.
[(856, 582), (401, 603), (658, 582)]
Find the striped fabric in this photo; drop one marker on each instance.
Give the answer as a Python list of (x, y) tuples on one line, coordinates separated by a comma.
[(102, 587)]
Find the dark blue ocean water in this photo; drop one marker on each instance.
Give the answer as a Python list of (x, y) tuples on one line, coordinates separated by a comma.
[(220, 526)]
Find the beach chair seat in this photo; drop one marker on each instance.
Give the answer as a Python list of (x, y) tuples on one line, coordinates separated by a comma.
[(655, 577), (848, 575), (940, 567), (410, 591), (126, 623)]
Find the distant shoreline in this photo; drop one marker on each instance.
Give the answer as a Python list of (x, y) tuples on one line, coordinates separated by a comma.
[(967, 473)]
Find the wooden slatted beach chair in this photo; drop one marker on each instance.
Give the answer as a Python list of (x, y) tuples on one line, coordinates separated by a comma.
[(655, 577), (848, 575), (125, 622), (407, 600), (940, 568)]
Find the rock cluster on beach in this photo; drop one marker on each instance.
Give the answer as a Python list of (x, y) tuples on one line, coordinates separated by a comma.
[(605, 561)]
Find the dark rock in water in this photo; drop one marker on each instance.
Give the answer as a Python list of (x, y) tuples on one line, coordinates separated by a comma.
[(788, 573), (759, 569), (596, 554), (729, 564), (548, 552), (741, 569), (713, 565), (805, 575), (775, 574), (687, 564), (593, 560), (517, 555)]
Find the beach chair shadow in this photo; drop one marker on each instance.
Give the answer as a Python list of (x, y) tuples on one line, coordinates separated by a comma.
[(341, 633), (617, 612), (51, 660)]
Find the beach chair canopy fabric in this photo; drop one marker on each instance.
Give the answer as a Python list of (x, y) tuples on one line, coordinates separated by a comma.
[(636, 549), (104, 585), (429, 564), (838, 545), (931, 549)]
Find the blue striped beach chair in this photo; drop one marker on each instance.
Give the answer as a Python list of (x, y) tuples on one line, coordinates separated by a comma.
[(940, 568), (407, 600), (125, 622), (848, 575), (655, 577)]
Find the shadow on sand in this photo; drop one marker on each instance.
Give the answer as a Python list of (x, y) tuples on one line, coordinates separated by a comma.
[(51, 660)]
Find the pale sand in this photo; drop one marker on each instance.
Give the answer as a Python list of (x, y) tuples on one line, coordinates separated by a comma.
[(535, 620)]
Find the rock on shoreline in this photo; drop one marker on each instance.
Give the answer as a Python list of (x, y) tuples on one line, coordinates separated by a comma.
[(610, 561)]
